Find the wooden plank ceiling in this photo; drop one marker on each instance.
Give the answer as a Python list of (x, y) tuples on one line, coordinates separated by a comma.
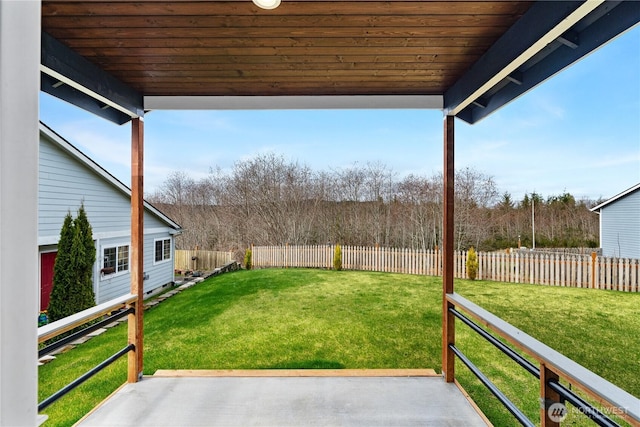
[(224, 48)]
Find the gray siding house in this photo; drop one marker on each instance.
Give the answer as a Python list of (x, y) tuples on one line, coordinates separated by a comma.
[(67, 178), (620, 224)]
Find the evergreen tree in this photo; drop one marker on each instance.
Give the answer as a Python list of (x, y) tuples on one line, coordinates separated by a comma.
[(75, 296), (73, 270), (62, 273), (86, 260)]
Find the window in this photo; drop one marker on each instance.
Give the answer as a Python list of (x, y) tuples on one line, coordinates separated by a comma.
[(162, 250), (115, 259)]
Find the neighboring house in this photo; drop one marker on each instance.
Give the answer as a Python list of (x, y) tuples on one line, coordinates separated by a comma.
[(620, 224), (67, 178)]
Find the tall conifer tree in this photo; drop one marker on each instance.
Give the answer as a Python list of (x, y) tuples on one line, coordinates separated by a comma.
[(62, 273), (86, 258), (73, 270)]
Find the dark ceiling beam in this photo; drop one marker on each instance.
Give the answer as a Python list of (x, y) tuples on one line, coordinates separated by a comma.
[(80, 99), (615, 21), (541, 24), (515, 77), (570, 39), (68, 76)]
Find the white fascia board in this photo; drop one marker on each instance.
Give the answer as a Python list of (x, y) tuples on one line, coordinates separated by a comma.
[(87, 91), (329, 102), (582, 11)]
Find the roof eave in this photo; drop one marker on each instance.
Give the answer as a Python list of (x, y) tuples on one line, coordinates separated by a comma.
[(102, 172), (547, 39), (616, 197)]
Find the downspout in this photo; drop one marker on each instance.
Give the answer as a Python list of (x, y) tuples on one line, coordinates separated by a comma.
[(97, 277)]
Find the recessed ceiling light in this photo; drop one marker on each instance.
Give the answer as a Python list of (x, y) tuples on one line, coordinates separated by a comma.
[(267, 4)]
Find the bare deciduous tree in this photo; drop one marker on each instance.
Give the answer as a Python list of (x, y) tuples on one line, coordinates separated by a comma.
[(269, 200)]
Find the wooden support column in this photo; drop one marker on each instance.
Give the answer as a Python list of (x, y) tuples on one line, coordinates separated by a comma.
[(448, 319), (136, 330), (551, 412)]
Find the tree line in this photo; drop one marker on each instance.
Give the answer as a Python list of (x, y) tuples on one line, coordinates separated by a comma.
[(268, 200)]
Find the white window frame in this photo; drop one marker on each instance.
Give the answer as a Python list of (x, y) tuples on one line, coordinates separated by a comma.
[(164, 259), (117, 272)]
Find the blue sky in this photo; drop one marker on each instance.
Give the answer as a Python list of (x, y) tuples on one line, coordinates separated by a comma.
[(577, 132)]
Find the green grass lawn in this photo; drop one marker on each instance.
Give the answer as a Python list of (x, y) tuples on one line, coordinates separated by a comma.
[(300, 318)]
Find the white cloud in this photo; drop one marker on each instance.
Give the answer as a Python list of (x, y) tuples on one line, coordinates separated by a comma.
[(101, 148), (616, 160)]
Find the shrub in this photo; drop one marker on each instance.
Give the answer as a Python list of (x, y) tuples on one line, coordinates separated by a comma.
[(337, 258), (472, 264), (247, 259)]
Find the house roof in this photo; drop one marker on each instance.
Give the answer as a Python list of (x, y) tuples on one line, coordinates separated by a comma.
[(103, 173), (616, 197), (468, 58)]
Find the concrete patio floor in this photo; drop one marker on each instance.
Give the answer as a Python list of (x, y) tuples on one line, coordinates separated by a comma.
[(288, 398)]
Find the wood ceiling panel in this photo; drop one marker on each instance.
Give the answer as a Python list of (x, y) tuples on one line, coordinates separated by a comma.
[(277, 88), (210, 42), (300, 48), (373, 42), (171, 21), (453, 61), (270, 76), (268, 32), (300, 75), (316, 8), (275, 51), (132, 67)]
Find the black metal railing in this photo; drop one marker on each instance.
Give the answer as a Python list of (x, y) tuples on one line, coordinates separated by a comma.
[(84, 377), (511, 407), (627, 405), (113, 310), (583, 406)]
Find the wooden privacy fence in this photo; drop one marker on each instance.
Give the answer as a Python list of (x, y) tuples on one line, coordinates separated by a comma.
[(572, 270), (201, 260)]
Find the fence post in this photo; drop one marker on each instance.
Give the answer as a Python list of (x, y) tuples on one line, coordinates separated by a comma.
[(593, 270), (579, 259), (602, 273), (627, 275), (494, 265)]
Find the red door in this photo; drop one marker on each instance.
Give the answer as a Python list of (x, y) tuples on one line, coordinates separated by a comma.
[(47, 260)]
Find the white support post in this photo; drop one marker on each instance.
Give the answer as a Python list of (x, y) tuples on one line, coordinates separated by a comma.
[(19, 89)]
